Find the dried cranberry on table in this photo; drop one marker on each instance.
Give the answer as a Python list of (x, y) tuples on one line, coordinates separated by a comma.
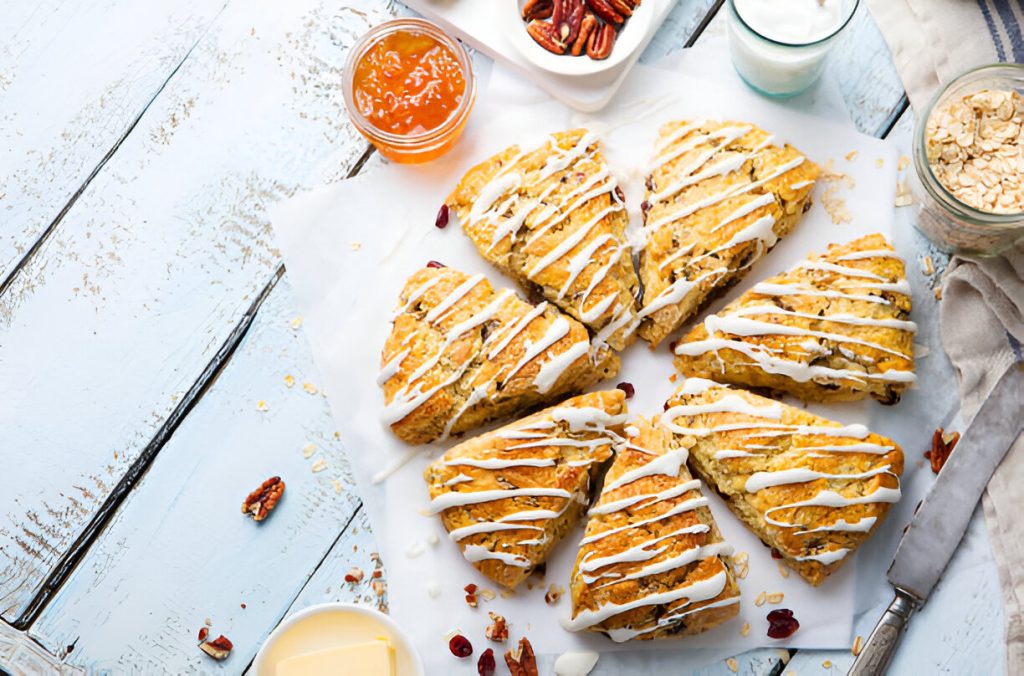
[(460, 646), (435, 264), (442, 217), (486, 665), (627, 388), (781, 623)]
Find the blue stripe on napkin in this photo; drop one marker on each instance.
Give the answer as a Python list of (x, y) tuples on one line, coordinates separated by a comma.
[(992, 29), (1012, 28), (1013, 43)]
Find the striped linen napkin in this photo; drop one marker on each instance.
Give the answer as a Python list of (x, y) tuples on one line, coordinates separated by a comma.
[(982, 312)]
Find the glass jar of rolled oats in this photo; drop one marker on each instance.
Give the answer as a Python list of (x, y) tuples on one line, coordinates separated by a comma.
[(969, 162)]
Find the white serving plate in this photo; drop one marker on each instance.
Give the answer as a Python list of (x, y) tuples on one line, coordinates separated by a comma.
[(579, 82)]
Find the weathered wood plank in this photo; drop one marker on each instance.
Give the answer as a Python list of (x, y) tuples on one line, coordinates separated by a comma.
[(151, 270), (179, 550), (680, 25), (860, 65), (21, 656), (74, 77)]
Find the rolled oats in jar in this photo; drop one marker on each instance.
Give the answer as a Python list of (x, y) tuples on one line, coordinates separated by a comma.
[(969, 161)]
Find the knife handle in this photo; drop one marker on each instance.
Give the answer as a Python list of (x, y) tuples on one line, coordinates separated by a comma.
[(874, 658)]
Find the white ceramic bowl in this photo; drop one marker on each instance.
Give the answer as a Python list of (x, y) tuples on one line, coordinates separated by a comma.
[(338, 624), (629, 39)]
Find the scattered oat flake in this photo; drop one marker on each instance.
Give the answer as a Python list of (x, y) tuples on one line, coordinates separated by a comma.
[(855, 649), (775, 597), (879, 163), (732, 664), (903, 195), (487, 594), (783, 569), (338, 486), (378, 587), (296, 323), (851, 156), (742, 571), (745, 629), (903, 163), (759, 601), (929, 265), (208, 622), (356, 246), (741, 557), (309, 387), (262, 406), (938, 293), (308, 450), (827, 664), (319, 465)]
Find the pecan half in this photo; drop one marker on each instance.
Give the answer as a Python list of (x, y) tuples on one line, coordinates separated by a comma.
[(567, 19), (219, 648), (544, 35), (538, 9), (587, 26), (263, 499), (497, 630), (521, 661), (601, 41), (942, 445), (622, 7), (604, 10)]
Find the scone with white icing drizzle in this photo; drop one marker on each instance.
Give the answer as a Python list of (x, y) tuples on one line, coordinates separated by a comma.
[(462, 353), (553, 218), (812, 489), (832, 328), (652, 563), (719, 196), (507, 497)]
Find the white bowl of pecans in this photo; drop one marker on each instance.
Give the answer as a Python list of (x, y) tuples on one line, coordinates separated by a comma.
[(579, 37)]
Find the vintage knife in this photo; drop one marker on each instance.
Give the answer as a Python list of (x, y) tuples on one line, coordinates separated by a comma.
[(941, 519)]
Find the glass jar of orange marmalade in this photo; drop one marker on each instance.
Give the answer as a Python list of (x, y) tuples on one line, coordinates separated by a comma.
[(409, 89)]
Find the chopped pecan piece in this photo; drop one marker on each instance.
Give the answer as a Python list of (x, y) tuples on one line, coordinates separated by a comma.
[(942, 445), (354, 575), (497, 630), (219, 648), (587, 27), (553, 594), (470, 590), (521, 661), (543, 34), (605, 10), (262, 500)]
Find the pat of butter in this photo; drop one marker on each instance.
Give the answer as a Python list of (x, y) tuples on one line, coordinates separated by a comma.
[(373, 658)]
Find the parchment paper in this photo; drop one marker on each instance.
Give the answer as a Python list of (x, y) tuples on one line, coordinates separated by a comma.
[(349, 248)]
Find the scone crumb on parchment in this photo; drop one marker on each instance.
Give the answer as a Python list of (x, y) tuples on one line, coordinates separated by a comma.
[(855, 648), (309, 387), (318, 466), (356, 246), (879, 163), (337, 486), (732, 664), (903, 163), (308, 450), (833, 181), (827, 664), (289, 380), (262, 406), (851, 156), (296, 323), (507, 593), (904, 197)]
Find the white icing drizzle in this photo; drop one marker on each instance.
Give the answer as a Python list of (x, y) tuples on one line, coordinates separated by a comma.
[(460, 479), (826, 558), (461, 499), (868, 253), (667, 464), (746, 208), (391, 368), (844, 526), (759, 481), (488, 527), (498, 463), (838, 318), (551, 370), (476, 553), (623, 503), (449, 301), (772, 289), (739, 325)]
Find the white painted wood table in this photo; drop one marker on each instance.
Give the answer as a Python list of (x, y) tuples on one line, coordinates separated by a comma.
[(145, 314)]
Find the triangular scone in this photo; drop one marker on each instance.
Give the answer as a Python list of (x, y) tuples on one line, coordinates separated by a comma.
[(554, 219), (507, 497), (811, 489), (719, 195), (461, 354), (833, 328), (652, 563)]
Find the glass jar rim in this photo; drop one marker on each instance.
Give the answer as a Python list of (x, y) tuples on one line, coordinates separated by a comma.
[(371, 38), (782, 43), (923, 167)]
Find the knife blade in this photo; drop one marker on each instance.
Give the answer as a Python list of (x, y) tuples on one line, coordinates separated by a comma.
[(940, 521)]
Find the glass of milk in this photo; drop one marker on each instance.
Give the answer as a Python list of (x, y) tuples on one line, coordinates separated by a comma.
[(779, 46)]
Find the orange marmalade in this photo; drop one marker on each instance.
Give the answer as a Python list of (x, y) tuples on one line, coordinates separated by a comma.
[(409, 89)]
